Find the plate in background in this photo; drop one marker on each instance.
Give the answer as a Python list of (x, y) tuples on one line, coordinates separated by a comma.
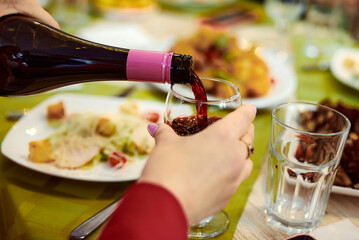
[(34, 126), (341, 67), (345, 191)]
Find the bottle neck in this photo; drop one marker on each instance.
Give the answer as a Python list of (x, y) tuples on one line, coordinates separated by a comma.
[(181, 69), (158, 67)]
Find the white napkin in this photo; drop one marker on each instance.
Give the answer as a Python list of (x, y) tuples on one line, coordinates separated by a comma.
[(340, 230)]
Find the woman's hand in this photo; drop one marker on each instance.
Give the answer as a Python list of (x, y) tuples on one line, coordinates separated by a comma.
[(203, 170), (27, 7)]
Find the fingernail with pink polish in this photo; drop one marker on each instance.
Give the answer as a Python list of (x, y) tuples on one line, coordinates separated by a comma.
[(151, 128), (255, 109)]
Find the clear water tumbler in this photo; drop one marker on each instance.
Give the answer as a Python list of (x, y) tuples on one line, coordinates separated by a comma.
[(306, 145)]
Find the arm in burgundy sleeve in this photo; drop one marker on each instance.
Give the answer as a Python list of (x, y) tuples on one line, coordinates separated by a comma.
[(147, 212)]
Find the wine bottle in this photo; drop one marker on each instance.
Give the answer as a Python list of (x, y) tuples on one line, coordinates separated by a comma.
[(35, 57)]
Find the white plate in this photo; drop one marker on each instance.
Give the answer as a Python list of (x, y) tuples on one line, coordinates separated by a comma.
[(33, 126), (339, 70), (283, 88), (345, 191)]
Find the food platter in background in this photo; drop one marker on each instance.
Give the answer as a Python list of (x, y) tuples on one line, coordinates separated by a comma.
[(34, 126), (282, 75), (282, 88), (345, 66), (345, 191)]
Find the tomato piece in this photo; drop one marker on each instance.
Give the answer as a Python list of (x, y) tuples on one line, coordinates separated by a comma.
[(152, 116), (117, 159)]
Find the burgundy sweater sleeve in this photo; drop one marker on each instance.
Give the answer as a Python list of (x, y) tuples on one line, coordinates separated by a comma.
[(147, 212)]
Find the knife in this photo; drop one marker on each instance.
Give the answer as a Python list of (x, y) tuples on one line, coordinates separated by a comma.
[(86, 228)]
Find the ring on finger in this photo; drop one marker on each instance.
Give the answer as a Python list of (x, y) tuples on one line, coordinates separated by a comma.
[(250, 148)]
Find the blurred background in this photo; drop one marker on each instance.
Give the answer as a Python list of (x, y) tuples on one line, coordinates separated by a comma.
[(320, 26), (292, 37)]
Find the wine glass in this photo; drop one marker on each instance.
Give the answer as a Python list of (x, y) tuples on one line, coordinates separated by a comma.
[(181, 114), (284, 13), (322, 26)]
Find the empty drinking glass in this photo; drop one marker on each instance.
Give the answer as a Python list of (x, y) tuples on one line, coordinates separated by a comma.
[(306, 145)]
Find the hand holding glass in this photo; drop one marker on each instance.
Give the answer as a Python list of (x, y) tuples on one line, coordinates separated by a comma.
[(181, 115)]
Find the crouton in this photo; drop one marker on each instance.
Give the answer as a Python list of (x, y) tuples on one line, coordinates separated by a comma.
[(55, 111), (105, 127), (130, 107), (40, 151)]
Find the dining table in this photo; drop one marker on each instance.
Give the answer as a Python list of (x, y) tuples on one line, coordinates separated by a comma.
[(35, 205)]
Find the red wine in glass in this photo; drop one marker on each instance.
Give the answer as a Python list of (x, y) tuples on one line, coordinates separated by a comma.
[(200, 95), (184, 114), (188, 125)]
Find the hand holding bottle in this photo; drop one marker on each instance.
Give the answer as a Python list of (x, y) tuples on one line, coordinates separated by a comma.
[(203, 170), (29, 8)]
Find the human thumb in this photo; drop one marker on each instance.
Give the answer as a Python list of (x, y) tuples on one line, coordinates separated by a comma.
[(160, 131)]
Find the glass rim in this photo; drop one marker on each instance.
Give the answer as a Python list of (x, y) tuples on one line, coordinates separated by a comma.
[(346, 130), (209, 102)]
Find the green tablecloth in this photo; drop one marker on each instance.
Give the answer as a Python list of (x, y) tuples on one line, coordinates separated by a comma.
[(38, 206)]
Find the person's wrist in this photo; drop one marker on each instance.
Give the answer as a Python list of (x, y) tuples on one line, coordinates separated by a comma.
[(179, 197)]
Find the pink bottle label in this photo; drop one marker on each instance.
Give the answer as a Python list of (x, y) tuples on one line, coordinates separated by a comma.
[(146, 66)]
